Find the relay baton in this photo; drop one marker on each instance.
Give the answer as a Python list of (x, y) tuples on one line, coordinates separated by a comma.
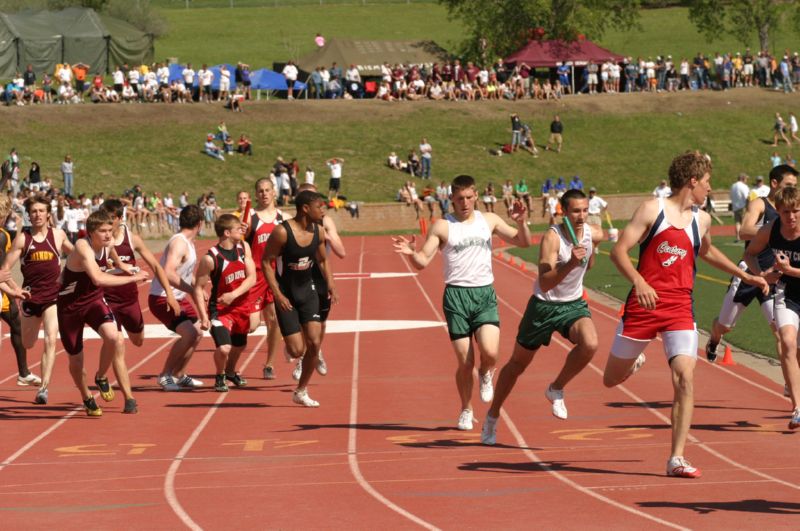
[(572, 235), (246, 212)]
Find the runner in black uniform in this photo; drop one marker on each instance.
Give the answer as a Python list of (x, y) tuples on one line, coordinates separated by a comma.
[(760, 212), (299, 243), (783, 239)]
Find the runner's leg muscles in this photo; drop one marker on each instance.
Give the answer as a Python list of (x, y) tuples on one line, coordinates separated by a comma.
[(584, 335), (682, 367), (516, 365)]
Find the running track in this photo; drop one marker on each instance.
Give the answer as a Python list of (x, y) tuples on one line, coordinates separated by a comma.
[(382, 450)]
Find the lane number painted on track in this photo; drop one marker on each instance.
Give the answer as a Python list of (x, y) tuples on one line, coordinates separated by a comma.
[(599, 434), (95, 450)]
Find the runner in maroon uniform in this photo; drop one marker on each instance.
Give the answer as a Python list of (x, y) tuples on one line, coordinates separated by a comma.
[(260, 222), (9, 312), (39, 252), (229, 266), (80, 303), (671, 233), (124, 300)]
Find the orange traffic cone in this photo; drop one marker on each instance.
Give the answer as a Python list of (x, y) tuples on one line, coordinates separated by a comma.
[(728, 358), (511, 261), (585, 295), (522, 266), (621, 311)]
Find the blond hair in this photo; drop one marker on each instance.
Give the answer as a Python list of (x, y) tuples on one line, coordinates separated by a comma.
[(788, 196)]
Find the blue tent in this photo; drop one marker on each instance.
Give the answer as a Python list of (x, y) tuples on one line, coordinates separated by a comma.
[(266, 79), (176, 72)]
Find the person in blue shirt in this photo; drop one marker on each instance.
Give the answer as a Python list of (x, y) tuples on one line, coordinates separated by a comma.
[(576, 183), (547, 186), (560, 186), (563, 76)]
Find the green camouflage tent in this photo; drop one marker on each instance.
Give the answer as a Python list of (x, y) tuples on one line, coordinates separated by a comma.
[(75, 35)]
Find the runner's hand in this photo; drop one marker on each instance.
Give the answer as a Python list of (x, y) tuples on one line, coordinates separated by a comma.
[(403, 246), (519, 212), (757, 281), (782, 262), (333, 295), (578, 255), (226, 298), (173, 304), (283, 303), (205, 324), (771, 276), (646, 295), (22, 294), (141, 276)]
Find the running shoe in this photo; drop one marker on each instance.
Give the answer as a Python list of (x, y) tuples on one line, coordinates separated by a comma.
[(556, 397), (489, 431), (269, 373), (236, 379), (41, 396), (322, 367), (298, 370), (167, 383), (487, 389), (302, 398), (681, 468), (636, 366), (130, 406), (465, 420), (106, 391), (31, 379), (711, 351), (187, 381), (92, 409), (795, 422), (219, 384)]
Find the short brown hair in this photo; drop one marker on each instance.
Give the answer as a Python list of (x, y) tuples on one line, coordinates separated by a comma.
[(787, 197), (462, 182), (37, 199), (97, 220), (691, 164), (225, 222)]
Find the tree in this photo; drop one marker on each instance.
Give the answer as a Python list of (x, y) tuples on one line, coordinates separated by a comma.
[(743, 19), (497, 28)]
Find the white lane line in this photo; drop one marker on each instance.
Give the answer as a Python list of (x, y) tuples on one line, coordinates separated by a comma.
[(169, 479), (352, 448), (33, 442), (535, 459), (666, 420)]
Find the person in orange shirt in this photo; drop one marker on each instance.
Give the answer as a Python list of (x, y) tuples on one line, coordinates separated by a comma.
[(80, 70)]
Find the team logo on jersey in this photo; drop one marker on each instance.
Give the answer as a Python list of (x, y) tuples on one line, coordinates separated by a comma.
[(302, 265), (673, 251)]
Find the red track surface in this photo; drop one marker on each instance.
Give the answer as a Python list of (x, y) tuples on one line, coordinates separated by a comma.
[(382, 450)]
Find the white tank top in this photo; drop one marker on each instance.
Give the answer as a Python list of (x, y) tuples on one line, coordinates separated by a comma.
[(571, 287), (185, 270), (468, 252)]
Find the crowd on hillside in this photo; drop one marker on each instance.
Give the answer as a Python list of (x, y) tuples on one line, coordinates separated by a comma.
[(454, 81), (446, 81)]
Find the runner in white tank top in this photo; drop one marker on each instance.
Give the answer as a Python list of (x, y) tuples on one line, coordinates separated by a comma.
[(185, 270), (178, 261), (470, 303), (468, 252), (556, 306)]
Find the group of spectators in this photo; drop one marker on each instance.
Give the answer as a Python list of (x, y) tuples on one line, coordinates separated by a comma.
[(454, 81), (418, 163), (226, 145), (143, 83)]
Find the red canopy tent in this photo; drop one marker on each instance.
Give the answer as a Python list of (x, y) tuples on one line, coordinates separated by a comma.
[(555, 53)]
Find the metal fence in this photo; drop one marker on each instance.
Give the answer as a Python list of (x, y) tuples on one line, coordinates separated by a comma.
[(189, 4)]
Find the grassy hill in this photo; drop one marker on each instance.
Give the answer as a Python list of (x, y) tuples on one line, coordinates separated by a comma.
[(620, 143)]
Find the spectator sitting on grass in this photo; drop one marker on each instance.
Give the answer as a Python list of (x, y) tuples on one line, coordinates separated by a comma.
[(244, 146), (211, 148), (393, 161)]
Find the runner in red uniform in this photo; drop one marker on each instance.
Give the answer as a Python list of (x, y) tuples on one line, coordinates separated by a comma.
[(229, 266), (39, 252), (80, 303), (671, 233), (260, 222), (124, 300)]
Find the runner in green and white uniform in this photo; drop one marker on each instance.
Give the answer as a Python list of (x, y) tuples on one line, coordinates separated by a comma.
[(470, 304), (557, 305)]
